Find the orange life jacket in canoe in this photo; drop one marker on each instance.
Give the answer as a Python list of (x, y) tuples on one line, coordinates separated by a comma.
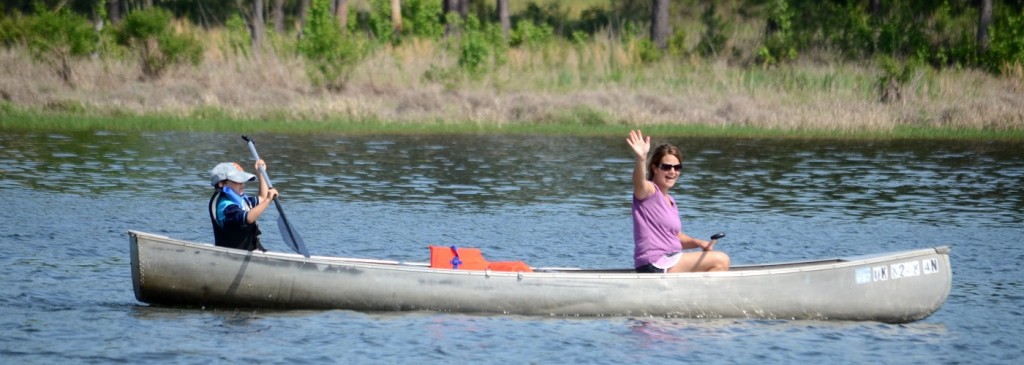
[(470, 259)]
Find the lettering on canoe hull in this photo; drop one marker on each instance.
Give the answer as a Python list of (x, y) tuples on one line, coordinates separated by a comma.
[(903, 270)]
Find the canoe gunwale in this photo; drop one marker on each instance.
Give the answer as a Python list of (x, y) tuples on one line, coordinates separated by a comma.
[(740, 270)]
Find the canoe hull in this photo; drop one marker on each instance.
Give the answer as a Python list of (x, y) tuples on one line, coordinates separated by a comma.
[(173, 272)]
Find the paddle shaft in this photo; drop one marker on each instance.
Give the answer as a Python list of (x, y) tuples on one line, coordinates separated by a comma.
[(290, 235), (714, 239), (263, 172)]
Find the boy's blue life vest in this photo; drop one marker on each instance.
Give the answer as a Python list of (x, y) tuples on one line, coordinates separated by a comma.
[(242, 236)]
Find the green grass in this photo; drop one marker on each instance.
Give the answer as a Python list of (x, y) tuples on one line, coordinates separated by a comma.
[(12, 119), (573, 7)]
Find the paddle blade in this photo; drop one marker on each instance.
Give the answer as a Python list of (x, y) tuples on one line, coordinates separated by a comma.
[(291, 236)]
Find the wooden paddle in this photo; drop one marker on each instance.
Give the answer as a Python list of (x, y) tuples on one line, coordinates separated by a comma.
[(288, 233)]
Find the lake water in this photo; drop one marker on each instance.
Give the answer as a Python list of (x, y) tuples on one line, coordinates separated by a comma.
[(69, 198)]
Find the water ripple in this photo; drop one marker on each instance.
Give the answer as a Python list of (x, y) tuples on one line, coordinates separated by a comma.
[(551, 201)]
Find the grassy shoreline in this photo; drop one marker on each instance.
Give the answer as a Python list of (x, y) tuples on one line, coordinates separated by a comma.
[(596, 88), (29, 121)]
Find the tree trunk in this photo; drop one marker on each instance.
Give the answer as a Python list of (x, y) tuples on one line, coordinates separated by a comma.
[(278, 15), (874, 7), (503, 16), (258, 27), (114, 11), (984, 20), (463, 9), (65, 71), (341, 13), (396, 16), (60, 5), (450, 6), (303, 10), (659, 24)]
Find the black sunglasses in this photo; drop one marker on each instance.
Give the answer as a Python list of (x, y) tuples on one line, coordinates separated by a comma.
[(666, 167)]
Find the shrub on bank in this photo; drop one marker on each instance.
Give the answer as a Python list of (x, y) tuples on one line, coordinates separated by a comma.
[(332, 53), (157, 45), (57, 37)]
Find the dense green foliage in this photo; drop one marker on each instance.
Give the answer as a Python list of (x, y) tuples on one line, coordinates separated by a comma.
[(1007, 45), (712, 40), (936, 33), (237, 36), (420, 18), (158, 46), (778, 44), (56, 37), (479, 44), (333, 52)]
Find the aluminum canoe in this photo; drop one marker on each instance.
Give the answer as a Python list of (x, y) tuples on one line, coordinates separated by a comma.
[(893, 287)]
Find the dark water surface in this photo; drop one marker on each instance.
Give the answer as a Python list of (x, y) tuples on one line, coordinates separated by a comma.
[(68, 200)]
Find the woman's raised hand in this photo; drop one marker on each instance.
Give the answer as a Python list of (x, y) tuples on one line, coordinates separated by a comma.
[(641, 145)]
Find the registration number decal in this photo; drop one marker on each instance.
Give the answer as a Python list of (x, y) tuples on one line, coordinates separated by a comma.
[(905, 270), (931, 266), (898, 271)]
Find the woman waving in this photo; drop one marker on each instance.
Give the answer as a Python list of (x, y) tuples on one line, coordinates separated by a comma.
[(658, 237)]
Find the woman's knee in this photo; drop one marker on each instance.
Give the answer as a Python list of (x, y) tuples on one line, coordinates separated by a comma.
[(723, 261)]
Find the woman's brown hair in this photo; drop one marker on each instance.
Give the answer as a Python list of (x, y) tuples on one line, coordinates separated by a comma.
[(659, 153)]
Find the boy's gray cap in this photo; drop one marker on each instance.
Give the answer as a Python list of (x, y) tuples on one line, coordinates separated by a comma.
[(229, 171)]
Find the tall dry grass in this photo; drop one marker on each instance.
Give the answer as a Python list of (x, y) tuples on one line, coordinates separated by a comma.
[(598, 82)]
